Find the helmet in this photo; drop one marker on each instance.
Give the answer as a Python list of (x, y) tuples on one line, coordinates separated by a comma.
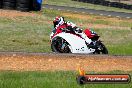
[(58, 21)]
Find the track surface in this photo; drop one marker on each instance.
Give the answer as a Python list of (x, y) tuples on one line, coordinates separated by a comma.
[(91, 11), (52, 62)]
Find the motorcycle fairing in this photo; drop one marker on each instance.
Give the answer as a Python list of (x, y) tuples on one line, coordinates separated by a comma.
[(77, 44)]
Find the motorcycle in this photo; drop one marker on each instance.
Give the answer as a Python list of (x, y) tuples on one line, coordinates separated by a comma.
[(69, 42)]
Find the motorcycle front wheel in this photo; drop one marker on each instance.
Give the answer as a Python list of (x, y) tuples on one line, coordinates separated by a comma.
[(60, 45), (101, 49)]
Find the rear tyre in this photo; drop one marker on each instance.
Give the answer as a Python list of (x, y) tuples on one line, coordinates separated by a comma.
[(1, 3), (104, 50), (12, 1), (59, 45), (23, 1), (22, 9), (9, 4), (23, 5)]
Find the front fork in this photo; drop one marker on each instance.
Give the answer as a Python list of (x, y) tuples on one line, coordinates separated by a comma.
[(98, 45)]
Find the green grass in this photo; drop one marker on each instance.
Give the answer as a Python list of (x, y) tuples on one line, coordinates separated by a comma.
[(117, 41), (24, 35), (83, 5), (31, 34), (56, 79)]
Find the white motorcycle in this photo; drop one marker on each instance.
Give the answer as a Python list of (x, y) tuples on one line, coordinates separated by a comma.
[(67, 42)]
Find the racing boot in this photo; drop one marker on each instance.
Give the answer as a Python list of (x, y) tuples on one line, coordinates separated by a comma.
[(89, 42), (84, 36)]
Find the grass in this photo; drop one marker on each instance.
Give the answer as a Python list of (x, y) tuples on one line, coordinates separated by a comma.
[(25, 35), (84, 5), (31, 33), (56, 79)]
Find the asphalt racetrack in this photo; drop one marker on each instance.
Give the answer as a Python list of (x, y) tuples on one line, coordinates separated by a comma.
[(90, 11)]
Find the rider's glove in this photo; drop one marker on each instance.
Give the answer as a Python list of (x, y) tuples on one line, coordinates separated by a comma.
[(69, 27)]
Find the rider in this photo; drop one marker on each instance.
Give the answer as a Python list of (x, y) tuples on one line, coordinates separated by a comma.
[(61, 25)]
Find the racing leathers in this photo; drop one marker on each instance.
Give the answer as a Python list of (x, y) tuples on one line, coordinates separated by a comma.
[(69, 26)]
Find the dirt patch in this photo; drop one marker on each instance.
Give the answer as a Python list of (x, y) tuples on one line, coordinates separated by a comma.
[(13, 13), (102, 26), (51, 62), (94, 17)]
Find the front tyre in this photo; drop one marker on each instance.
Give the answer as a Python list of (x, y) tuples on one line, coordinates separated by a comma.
[(104, 49), (101, 49), (60, 45)]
